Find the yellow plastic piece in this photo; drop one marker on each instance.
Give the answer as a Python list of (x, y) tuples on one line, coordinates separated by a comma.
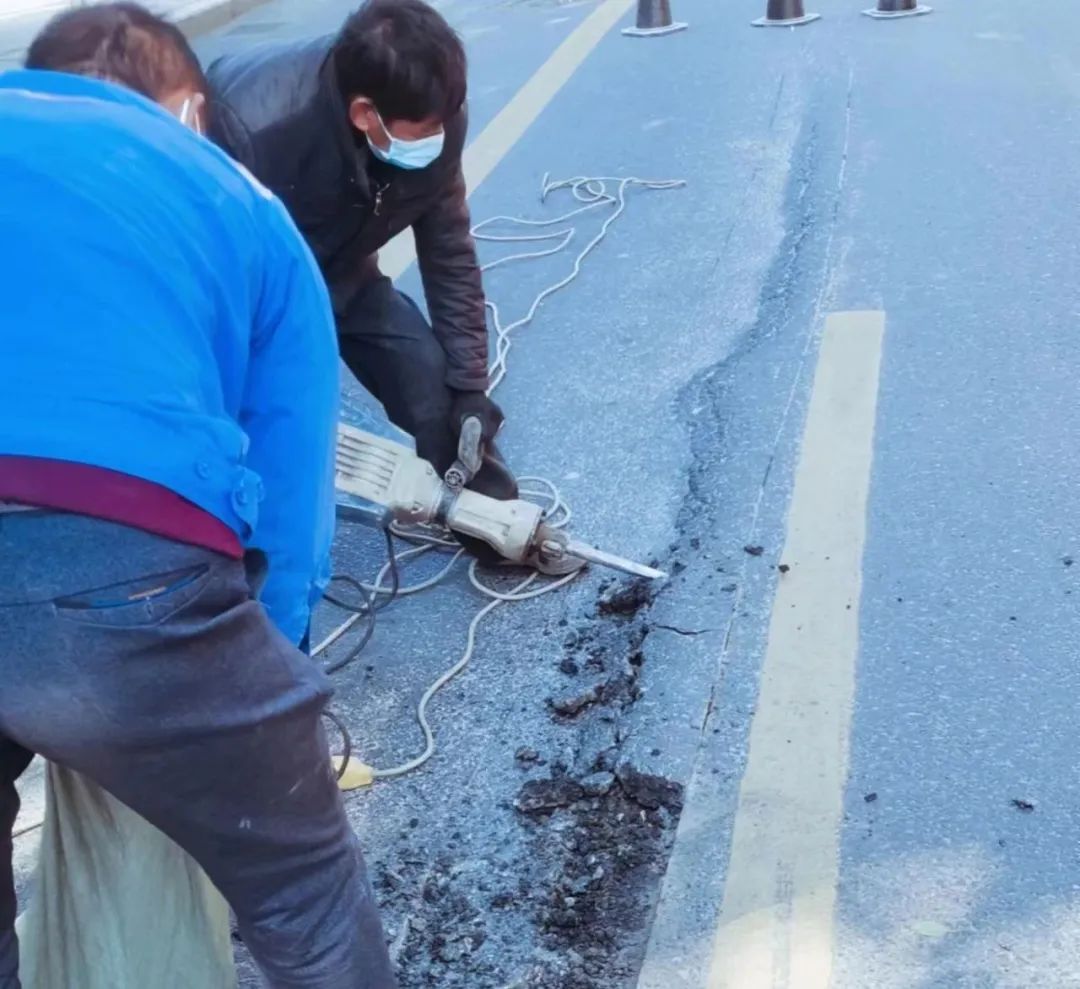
[(357, 775)]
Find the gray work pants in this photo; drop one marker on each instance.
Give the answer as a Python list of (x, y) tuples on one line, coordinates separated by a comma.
[(147, 666)]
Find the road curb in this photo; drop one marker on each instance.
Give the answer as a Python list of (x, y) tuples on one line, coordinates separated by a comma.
[(194, 18)]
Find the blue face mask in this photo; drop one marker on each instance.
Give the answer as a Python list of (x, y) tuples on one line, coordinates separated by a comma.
[(411, 155)]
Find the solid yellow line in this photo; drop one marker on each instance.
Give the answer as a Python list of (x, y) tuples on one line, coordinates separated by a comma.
[(776, 922), (503, 132)]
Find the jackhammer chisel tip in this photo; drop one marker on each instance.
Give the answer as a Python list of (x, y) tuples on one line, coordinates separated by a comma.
[(599, 557)]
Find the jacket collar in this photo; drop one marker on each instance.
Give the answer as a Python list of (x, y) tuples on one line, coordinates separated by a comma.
[(355, 156)]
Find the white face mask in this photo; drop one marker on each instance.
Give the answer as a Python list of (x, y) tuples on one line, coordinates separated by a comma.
[(188, 115), (411, 155)]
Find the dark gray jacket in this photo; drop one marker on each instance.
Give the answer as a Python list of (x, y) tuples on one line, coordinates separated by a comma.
[(277, 110)]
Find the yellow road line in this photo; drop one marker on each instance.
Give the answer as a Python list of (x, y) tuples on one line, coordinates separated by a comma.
[(502, 133), (776, 922)]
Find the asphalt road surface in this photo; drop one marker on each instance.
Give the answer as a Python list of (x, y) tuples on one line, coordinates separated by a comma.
[(830, 386)]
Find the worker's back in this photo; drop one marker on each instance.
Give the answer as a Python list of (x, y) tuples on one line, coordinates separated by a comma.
[(162, 318), (128, 305)]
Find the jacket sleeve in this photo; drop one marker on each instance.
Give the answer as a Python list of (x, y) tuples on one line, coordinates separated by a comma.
[(230, 134), (290, 415), (452, 285)]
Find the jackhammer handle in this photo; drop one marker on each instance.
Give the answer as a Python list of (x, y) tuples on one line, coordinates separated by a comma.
[(470, 456)]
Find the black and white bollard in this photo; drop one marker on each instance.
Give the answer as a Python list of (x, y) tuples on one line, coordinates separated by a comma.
[(887, 10), (654, 19), (785, 13)]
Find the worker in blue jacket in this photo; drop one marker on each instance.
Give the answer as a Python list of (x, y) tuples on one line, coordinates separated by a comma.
[(168, 404)]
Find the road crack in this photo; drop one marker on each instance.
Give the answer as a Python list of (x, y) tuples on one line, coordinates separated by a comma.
[(689, 632)]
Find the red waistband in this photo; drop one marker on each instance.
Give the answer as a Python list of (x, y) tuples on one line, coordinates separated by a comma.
[(113, 497)]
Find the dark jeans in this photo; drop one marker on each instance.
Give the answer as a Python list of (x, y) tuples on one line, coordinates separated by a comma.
[(147, 666), (388, 345)]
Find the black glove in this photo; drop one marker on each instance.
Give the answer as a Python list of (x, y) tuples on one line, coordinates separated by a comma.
[(467, 404)]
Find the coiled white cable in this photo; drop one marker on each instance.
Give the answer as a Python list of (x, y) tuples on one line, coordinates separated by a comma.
[(592, 193)]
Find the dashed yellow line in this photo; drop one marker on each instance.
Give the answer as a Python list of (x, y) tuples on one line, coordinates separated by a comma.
[(776, 922)]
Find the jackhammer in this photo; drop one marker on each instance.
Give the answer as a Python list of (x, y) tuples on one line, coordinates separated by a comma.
[(401, 487)]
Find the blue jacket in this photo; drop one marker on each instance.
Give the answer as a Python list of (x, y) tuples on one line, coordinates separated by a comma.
[(161, 316)]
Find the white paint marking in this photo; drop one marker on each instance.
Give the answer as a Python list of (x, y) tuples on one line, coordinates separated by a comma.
[(495, 140), (997, 36), (479, 32), (776, 922)]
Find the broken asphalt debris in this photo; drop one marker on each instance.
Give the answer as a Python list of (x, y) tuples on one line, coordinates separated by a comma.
[(544, 796), (602, 828), (590, 840), (643, 789), (598, 784), (626, 599), (570, 707)]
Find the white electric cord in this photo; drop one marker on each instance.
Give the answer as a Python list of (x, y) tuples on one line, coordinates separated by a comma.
[(592, 193)]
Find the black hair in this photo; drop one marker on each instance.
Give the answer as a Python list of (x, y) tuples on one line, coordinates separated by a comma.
[(121, 42), (404, 57)]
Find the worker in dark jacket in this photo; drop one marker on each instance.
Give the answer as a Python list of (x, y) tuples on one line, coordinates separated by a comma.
[(361, 135)]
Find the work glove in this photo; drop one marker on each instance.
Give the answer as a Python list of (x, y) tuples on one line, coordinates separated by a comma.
[(470, 404), (474, 420)]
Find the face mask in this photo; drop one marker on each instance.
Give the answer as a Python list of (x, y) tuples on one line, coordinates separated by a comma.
[(408, 154), (189, 115)]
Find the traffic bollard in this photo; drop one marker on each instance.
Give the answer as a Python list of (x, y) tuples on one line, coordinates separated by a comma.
[(785, 13), (887, 10), (654, 19)]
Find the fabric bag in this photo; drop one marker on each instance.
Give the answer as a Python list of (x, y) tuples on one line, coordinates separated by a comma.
[(116, 904)]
